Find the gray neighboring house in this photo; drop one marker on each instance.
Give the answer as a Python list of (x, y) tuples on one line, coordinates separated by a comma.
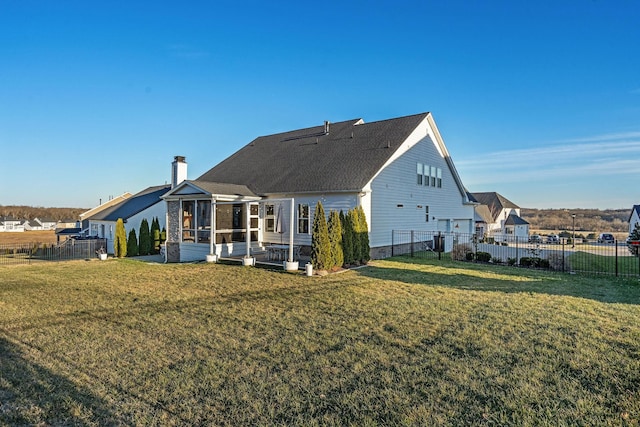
[(498, 217), (399, 170), (147, 204)]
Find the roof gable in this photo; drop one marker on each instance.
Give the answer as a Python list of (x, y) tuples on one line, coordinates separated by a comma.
[(209, 189), (515, 220), (495, 202), (310, 160)]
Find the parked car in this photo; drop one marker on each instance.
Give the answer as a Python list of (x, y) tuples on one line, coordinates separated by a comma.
[(553, 238), (535, 238), (606, 238)]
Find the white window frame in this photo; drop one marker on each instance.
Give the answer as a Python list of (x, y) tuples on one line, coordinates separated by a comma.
[(303, 219)]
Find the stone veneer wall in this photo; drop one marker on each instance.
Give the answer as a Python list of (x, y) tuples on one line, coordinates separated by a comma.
[(173, 231)]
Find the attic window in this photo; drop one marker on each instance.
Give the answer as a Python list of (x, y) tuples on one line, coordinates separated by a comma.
[(419, 174)]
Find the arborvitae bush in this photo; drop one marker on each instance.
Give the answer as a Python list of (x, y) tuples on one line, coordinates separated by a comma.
[(347, 240), (363, 235), (155, 235), (320, 246), (335, 239), (120, 240), (355, 238), (145, 238), (132, 244)]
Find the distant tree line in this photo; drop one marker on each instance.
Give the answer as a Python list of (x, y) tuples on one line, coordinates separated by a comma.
[(590, 220), (31, 212)]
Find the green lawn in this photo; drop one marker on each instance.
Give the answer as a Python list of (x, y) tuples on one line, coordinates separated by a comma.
[(605, 264), (403, 342)]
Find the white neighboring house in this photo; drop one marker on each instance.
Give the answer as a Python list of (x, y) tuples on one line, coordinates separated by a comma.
[(498, 217), (10, 224), (146, 204), (398, 170), (47, 223), (32, 225), (634, 217), (40, 224)]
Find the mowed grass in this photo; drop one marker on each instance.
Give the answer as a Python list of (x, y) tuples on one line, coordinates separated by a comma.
[(402, 342), (605, 264)]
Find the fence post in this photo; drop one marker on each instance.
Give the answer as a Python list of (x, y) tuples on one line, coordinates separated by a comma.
[(563, 255), (441, 247), (615, 244), (411, 243), (393, 235)]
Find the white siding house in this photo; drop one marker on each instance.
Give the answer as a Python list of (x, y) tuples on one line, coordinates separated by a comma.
[(634, 218), (146, 204), (9, 224), (499, 218), (344, 165)]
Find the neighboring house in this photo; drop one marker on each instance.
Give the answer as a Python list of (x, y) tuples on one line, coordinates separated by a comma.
[(634, 217), (91, 212), (10, 224), (146, 204), (40, 224), (67, 223), (498, 217), (32, 225), (398, 170)]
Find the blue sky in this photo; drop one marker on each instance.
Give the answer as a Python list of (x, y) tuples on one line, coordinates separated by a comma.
[(539, 101)]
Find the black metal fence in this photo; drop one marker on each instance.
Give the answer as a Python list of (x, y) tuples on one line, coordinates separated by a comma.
[(564, 255), (26, 253)]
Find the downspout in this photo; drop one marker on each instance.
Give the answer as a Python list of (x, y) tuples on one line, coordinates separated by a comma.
[(166, 227)]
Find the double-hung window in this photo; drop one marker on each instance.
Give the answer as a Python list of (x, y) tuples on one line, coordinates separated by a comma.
[(303, 218), (270, 218)]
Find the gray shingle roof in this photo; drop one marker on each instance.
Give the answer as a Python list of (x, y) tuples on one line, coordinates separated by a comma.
[(308, 160), (223, 188), (133, 205), (515, 220), (495, 201)]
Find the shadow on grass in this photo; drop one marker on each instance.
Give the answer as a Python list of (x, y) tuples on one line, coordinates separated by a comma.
[(33, 395), (505, 279)]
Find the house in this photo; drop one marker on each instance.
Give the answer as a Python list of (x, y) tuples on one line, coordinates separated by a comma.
[(398, 170), (147, 204), (39, 224), (91, 212), (634, 217), (10, 224), (498, 217)]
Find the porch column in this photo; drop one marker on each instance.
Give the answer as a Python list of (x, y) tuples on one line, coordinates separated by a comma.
[(291, 229), (247, 208), (212, 229)]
